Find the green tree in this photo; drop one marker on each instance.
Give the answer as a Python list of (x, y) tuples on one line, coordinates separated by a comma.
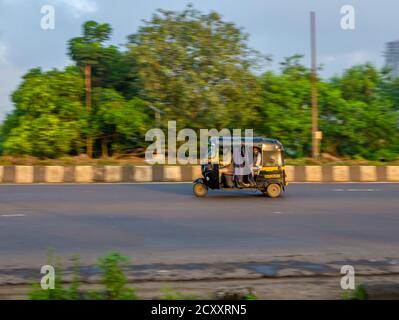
[(356, 111), (104, 66), (49, 119), (286, 107), (90, 50), (197, 69), (86, 52), (109, 66), (359, 83), (118, 122), (366, 124)]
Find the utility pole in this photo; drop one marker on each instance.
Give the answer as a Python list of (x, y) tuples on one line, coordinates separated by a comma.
[(316, 134), (89, 142)]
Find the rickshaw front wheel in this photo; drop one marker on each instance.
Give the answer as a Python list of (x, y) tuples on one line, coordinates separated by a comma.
[(200, 190), (273, 190)]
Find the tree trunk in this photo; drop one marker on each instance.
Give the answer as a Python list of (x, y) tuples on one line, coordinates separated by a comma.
[(104, 148), (89, 142), (116, 147)]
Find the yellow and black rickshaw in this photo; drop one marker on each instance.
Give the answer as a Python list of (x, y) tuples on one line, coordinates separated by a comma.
[(268, 176)]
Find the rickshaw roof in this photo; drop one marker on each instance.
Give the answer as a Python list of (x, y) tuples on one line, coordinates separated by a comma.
[(257, 141)]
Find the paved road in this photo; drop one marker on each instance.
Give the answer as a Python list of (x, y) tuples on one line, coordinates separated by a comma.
[(165, 223)]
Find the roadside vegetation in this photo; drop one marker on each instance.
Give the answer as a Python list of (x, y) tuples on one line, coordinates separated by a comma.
[(359, 293), (113, 279), (113, 284), (196, 69)]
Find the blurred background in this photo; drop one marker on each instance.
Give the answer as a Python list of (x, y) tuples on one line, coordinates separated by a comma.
[(91, 87)]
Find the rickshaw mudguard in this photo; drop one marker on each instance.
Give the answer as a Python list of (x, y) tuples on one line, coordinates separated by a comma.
[(211, 176), (200, 180)]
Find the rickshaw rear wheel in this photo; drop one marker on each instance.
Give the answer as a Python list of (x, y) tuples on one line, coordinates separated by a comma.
[(273, 190), (200, 190)]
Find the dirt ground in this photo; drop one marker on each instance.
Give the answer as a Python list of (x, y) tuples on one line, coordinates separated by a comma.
[(285, 288)]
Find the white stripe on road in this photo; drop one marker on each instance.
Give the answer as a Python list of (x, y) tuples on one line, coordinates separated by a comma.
[(12, 215), (356, 190)]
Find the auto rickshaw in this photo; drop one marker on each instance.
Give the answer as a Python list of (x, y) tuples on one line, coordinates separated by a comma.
[(269, 178)]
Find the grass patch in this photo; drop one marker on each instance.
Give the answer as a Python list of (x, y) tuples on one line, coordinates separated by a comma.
[(359, 293)]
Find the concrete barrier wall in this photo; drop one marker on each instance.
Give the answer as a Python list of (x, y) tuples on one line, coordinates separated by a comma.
[(115, 174)]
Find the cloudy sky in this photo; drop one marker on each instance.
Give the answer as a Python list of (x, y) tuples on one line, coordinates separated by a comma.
[(276, 27)]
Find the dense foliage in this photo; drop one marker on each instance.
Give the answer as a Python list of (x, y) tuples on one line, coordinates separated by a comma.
[(198, 70), (49, 118)]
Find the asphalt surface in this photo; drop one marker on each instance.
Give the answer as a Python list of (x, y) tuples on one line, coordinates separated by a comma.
[(166, 223)]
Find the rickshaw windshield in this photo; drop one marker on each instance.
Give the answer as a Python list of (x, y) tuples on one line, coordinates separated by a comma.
[(273, 158), (211, 151)]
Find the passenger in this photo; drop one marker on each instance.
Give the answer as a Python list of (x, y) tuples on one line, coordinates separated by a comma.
[(243, 168), (257, 159), (256, 164), (240, 166)]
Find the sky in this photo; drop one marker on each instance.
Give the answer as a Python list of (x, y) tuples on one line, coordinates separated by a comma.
[(276, 27)]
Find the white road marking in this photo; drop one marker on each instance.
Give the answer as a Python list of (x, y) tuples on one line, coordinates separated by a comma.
[(12, 215), (356, 190)]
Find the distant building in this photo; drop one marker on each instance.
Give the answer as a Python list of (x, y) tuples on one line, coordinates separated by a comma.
[(392, 57)]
